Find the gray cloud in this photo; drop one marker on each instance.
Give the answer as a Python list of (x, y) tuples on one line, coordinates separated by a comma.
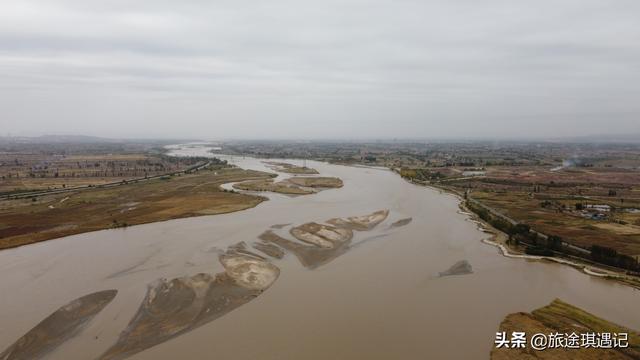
[(345, 69)]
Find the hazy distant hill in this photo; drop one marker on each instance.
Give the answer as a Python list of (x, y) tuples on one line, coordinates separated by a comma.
[(55, 139), (610, 138), (81, 139)]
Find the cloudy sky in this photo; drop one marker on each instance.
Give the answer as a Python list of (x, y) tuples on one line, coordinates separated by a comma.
[(320, 69)]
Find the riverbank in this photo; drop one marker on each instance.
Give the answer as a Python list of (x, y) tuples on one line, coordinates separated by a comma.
[(26, 221), (560, 317), (499, 240)]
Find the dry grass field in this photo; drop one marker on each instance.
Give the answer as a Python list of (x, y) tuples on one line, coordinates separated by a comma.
[(571, 225), (560, 317), (26, 221)]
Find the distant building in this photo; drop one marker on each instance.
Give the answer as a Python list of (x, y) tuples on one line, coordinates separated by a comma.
[(474, 173), (603, 208)]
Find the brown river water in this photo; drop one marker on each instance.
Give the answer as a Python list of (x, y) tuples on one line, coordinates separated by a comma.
[(382, 299)]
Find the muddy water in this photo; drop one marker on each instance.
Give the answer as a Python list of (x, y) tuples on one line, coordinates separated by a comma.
[(381, 299)]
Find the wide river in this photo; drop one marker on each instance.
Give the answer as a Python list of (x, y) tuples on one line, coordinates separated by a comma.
[(380, 300)]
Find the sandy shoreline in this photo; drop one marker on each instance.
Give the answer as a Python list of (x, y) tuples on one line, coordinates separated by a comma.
[(498, 239)]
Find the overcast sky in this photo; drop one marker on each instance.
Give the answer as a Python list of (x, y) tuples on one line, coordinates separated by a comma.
[(320, 69)]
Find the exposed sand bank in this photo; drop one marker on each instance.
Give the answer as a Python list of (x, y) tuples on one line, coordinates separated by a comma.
[(59, 327), (401, 222), (280, 226), (249, 272), (461, 267), (318, 244), (316, 182), (269, 249), (310, 256), (174, 307), (324, 236), (291, 186), (281, 187), (290, 168), (360, 223)]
